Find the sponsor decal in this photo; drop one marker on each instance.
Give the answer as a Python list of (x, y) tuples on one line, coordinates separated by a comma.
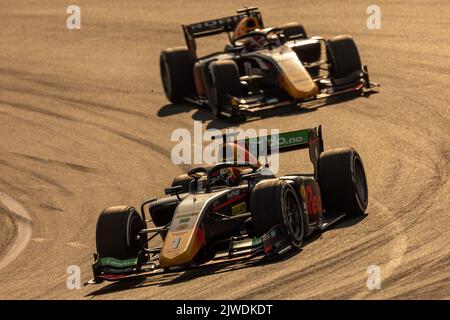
[(184, 220), (183, 226), (229, 201), (117, 263), (238, 209), (314, 201), (185, 215), (213, 24), (289, 139), (232, 194), (303, 194), (302, 190), (179, 233), (176, 242)]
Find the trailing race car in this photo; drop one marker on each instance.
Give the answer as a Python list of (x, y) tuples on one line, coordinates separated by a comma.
[(260, 67), (232, 210)]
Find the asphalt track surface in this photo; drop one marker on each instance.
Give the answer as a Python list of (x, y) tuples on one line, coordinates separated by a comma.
[(84, 124)]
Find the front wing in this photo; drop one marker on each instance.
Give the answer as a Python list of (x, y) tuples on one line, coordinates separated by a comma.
[(274, 242), (233, 106)]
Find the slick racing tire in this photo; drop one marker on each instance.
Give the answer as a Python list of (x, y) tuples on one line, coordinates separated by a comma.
[(294, 30), (342, 181), (224, 79), (117, 231), (177, 73), (344, 56), (274, 202)]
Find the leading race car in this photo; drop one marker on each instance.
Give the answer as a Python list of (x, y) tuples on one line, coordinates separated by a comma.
[(260, 67), (232, 210)]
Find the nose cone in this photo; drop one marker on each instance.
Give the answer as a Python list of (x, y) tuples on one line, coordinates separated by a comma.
[(180, 248), (186, 237)]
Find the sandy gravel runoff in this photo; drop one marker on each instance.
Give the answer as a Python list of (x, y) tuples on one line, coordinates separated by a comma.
[(84, 124)]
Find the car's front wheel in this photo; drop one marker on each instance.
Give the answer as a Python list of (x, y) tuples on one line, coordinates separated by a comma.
[(274, 202), (177, 73), (224, 80), (345, 60), (117, 233)]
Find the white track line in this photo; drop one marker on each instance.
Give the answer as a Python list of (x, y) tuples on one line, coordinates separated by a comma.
[(24, 230)]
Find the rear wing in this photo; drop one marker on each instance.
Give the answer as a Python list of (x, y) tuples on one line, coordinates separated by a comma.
[(310, 138), (217, 26)]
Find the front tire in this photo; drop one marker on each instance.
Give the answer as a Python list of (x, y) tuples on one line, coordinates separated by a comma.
[(275, 202), (117, 231), (342, 181), (224, 79), (177, 73), (345, 59)]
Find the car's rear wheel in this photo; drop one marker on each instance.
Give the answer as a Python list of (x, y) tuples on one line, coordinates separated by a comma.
[(177, 73), (342, 181), (345, 59), (294, 30), (274, 202), (117, 233), (224, 79)]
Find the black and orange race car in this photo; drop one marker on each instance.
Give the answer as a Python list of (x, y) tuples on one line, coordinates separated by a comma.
[(260, 67), (232, 211)]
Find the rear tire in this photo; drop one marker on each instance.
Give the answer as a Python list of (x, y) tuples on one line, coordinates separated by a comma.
[(294, 29), (177, 73), (344, 56), (224, 80), (117, 229), (342, 181), (275, 202)]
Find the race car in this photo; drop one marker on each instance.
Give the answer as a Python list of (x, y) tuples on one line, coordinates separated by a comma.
[(260, 67), (232, 210)]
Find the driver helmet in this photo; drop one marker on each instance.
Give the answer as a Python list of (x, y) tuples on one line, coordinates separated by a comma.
[(236, 153), (246, 25)]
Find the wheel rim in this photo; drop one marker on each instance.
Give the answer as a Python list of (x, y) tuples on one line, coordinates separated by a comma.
[(134, 226), (214, 100), (294, 221), (360, 182)]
